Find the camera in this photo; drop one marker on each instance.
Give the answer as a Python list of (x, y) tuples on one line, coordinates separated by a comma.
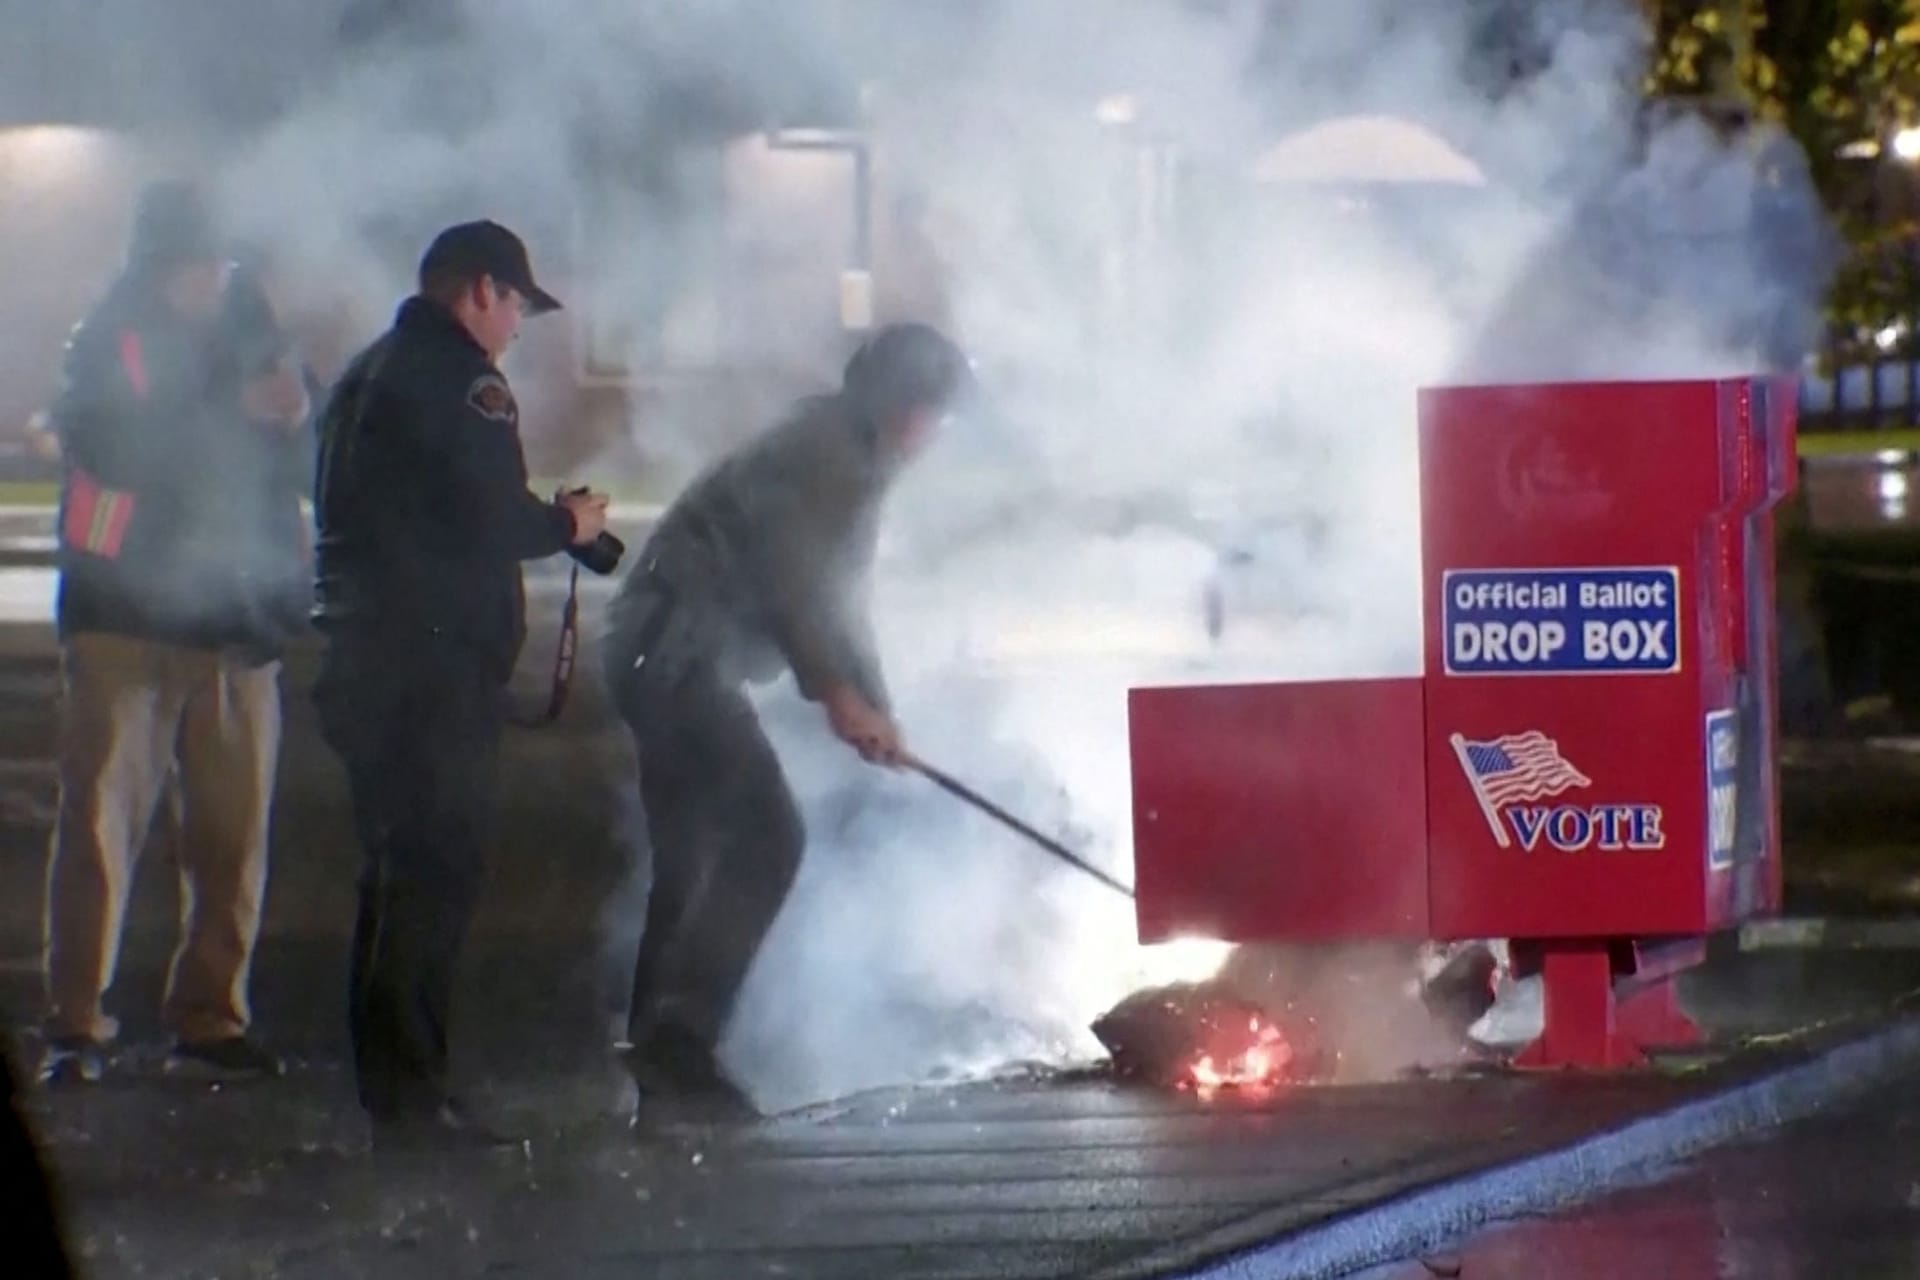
[(602, 555)]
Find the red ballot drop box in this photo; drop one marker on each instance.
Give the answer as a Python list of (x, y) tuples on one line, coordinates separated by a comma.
[(1588, 766)]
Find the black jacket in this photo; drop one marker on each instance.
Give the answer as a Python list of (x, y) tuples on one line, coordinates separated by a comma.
[(421, 505), (179, 519), (770, 552)]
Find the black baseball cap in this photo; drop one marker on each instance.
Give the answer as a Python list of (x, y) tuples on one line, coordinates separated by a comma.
[(475, 249)]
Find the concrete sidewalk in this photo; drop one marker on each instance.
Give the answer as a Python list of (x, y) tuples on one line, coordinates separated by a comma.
[(1022, 1178)]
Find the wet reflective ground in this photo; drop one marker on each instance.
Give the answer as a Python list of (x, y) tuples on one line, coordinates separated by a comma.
[(1027, 1178), (1834, 1198), (1015, 1182), (1863, 494)]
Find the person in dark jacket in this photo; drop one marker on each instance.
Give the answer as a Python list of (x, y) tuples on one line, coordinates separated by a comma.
[(423, 516), (760, 566), (173, 450)]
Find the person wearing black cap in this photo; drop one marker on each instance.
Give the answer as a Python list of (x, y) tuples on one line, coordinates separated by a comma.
[(171, 449), (759, 567), (423, 516)]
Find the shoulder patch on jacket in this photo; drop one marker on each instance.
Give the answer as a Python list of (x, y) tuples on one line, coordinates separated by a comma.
[(491, 399)]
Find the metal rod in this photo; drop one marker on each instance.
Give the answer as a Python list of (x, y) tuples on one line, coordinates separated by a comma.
[(862, 208), (954, 787)]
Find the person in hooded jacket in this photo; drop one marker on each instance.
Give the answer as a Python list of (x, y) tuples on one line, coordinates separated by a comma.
[(759, 568), (178, 445)]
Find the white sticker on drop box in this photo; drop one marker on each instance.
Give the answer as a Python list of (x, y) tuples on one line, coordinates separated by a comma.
[(1723, 787), (1517, 622)]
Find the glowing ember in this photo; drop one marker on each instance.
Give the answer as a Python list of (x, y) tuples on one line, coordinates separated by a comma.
[(1262, 1063), (1203, 1036)]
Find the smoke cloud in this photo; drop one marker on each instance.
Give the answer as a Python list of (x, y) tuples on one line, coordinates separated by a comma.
[(1203, 385)]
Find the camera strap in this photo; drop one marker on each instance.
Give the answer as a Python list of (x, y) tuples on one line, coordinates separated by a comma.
[(563, 656)]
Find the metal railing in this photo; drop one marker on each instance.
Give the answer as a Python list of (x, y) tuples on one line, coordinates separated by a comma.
[(1868, 380), (1878, 391)]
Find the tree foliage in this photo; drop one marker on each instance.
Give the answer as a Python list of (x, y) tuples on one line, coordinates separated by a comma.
[(1843, 76), (1844, 79)]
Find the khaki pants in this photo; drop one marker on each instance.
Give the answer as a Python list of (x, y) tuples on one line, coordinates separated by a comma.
[(135, 711)]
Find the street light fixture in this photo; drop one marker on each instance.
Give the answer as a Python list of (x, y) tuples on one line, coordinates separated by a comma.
[(1116, 110), (1906, 145), (815, 139)]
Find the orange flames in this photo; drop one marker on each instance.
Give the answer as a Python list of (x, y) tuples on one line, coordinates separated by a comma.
[(1263, 1062), (1205, 1038)]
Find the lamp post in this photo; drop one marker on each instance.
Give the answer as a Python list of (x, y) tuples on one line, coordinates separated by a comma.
[(856, 282)]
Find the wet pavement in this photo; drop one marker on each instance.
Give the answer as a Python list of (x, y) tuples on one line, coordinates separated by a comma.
[(1855, 495), (1835, 1196), (1004, 1182), (1019, 1179), (1029, 1175)]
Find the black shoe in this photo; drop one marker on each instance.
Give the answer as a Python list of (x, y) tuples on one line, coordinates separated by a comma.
[(236, 1057), (668, 1059), (671, 1065), (73, 1060), (449, 1127)]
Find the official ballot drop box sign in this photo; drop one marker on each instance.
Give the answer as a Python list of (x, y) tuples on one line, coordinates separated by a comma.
[(1591, 750), (1592, 621)]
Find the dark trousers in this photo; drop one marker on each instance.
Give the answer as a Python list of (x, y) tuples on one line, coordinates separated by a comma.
[(421, 745), (727, 840)]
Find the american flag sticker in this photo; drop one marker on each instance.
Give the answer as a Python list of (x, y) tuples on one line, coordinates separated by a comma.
[(1513, 769)]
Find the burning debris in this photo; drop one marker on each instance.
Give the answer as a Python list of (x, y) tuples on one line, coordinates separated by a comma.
[(1202, 1036), (1458, 984), (1276, 1014)]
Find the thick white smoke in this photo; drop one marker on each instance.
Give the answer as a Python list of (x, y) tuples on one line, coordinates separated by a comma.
[(1197, 379)]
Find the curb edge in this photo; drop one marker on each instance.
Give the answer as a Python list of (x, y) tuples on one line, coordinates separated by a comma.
[(1433, 1216)]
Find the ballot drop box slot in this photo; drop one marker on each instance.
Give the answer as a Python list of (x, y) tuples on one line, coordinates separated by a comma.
[(1588, 766)]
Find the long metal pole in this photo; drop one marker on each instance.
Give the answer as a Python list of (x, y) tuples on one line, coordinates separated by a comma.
[(954, 787)]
